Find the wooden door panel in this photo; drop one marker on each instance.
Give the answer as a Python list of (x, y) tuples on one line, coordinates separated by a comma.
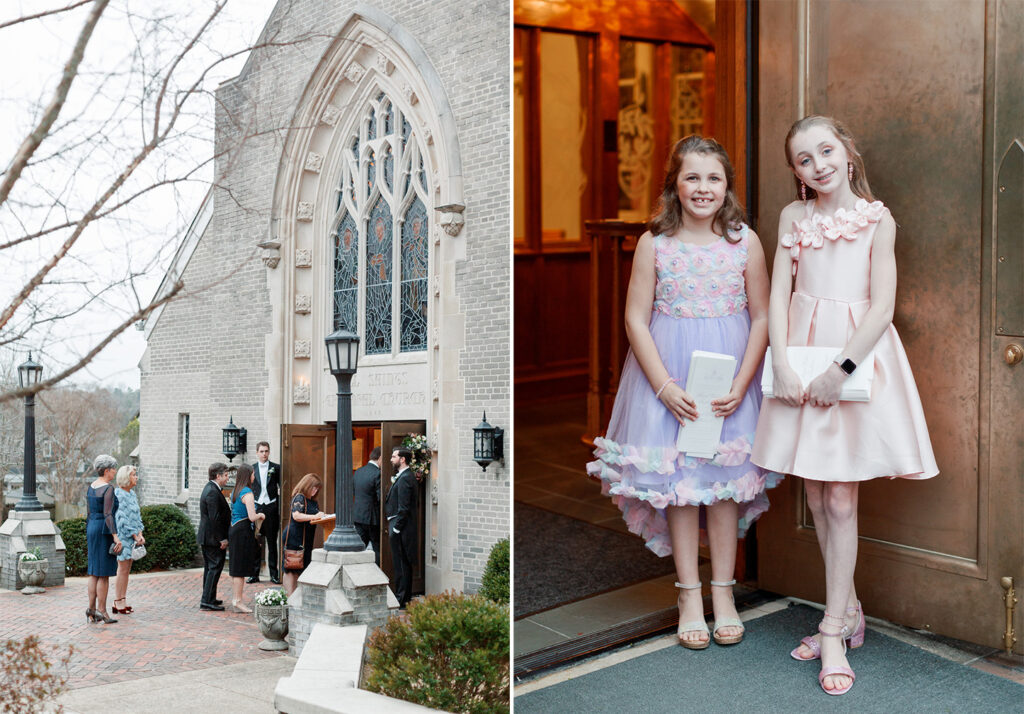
[(932, 552), (307, 448)]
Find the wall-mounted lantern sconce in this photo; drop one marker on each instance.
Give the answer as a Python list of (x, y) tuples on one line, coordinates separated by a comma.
[(488, 443), (233, 440)]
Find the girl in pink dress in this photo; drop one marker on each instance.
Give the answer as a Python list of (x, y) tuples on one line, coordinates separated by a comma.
[(837, 242), (699, 282)]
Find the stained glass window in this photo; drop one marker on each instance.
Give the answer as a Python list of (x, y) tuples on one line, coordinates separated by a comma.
[(415, 248), (379, 259), (346, 275), (381, 243)]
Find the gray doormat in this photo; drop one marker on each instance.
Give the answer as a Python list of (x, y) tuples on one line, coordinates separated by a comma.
[(758, 675), (560, 559)]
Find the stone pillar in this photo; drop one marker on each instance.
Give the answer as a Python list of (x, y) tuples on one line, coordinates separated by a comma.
[(20, 533), (338, 588)]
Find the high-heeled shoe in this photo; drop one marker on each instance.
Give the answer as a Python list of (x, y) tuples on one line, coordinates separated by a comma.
[(835, 669), (126, 610), (694, 626), (727, 621), (853, 640), (90, 615), (102, 616)]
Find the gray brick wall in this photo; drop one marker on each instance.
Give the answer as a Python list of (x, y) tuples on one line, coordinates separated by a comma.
[(206, 354)]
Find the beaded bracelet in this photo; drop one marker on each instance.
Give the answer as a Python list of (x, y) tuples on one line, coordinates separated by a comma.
[(657, 395)]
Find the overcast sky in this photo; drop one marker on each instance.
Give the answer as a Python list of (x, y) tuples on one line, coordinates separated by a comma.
[(31, 57)]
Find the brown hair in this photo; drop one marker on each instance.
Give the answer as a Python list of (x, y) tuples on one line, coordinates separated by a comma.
[(305, 485), (669, 216), (859, 183), (242, 478)]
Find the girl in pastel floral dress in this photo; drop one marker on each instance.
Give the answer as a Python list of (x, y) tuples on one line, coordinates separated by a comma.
[(699, 282)]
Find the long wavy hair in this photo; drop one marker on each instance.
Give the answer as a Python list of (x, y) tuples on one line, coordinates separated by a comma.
[(859, 184), (669, 216)]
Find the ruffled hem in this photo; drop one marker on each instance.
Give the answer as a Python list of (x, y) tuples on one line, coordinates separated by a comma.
[(644, 508)]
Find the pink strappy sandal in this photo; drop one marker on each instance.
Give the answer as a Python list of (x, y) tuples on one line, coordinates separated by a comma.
[(831, 621), (853, 640)]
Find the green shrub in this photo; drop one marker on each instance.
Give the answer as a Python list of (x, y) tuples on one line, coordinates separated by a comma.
[(72, 531), (495, 580), (450, 652), (170, 539)]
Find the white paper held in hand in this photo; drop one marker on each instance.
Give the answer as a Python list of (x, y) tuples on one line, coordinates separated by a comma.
[(710, 377), (809, 362)]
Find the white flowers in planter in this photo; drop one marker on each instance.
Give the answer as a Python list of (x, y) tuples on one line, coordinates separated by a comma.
[(271, 596), (33, 554)]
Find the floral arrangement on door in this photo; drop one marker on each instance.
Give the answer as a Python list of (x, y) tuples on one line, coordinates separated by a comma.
[(421, 454)]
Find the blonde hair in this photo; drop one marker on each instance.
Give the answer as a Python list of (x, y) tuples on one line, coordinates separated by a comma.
[(669, 216), (124, 476), (859, 182)]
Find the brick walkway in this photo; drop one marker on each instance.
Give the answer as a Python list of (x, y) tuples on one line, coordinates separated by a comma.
[(167, 633)]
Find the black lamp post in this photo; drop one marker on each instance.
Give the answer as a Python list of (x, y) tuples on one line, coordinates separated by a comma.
[(29, 374), (343, 357)]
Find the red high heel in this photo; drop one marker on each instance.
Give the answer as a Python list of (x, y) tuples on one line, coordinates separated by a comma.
[(126, 610)]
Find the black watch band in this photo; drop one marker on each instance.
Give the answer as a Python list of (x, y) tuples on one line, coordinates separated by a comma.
[(847, 365)]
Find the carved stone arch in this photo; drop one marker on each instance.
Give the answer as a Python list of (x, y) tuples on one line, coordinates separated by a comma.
[(371, 53)]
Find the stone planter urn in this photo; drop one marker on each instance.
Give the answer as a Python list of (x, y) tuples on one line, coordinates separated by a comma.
[(273, 621), (33, 573)]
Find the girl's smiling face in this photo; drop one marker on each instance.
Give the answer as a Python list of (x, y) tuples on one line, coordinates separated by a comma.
[(701, 185), (819, 159)]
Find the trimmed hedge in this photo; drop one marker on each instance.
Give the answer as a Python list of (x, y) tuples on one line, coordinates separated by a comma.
[(72, 531), (170, 541), (450, 652), (494, 585)]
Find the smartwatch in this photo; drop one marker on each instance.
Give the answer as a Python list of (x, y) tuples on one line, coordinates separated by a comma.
[(847, 365)]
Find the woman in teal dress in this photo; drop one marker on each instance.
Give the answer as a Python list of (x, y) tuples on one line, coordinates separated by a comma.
[(102, 541), (129, 529), (242, 552)]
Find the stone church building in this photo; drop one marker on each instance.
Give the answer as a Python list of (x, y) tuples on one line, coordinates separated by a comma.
[(362, 182)]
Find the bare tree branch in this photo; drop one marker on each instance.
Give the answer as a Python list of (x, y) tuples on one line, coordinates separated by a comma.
[(60, 95), (45, 13)]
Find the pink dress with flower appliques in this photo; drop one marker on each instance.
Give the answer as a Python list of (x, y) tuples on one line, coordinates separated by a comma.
[(700, 303), (852, 441)]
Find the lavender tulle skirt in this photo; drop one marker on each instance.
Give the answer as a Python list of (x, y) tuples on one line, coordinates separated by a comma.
[(637, 460)]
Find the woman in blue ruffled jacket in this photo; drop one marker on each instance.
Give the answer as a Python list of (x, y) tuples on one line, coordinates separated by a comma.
[(129, 530)]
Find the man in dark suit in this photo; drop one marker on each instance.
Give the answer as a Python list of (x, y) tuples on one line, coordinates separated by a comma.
[(212, 536), (366, 515), (266, 488), (400, 509)]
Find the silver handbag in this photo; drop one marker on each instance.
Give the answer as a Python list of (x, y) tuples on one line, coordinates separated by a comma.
[(138, 552)]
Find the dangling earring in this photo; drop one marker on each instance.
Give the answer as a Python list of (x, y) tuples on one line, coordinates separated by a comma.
[(849, 170), (803, 191)]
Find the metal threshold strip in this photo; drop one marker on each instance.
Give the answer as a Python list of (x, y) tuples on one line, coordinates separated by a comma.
[(531, 663)]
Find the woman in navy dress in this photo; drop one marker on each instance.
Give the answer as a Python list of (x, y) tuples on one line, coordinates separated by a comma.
[(100, 535), (300, 532)]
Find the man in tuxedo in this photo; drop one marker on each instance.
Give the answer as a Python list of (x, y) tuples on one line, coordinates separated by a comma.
[(266, 488), (212, 536), (400, 509), (366, 515)]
